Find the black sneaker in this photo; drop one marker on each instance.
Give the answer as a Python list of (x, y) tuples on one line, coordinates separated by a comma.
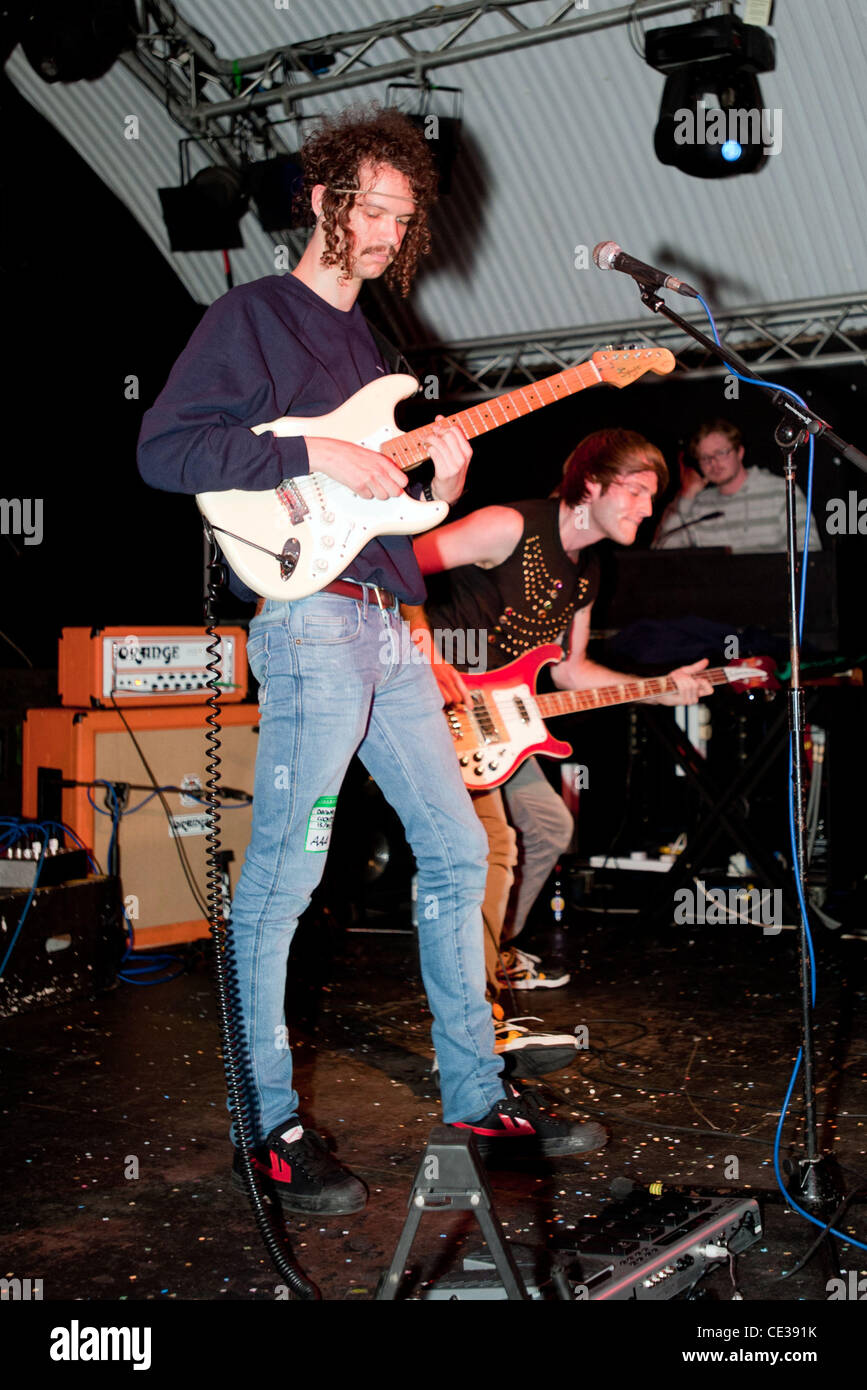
[(518, 1127), (303, 1175)]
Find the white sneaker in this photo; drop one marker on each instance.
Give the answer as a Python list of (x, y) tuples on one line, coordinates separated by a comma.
[(521, 971)]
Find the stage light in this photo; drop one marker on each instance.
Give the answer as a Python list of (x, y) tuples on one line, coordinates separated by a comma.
[(712, 123), (419, 103), (275, 185), (71, 42), (205, 214)]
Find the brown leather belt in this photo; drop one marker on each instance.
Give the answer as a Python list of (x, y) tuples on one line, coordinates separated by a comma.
[(347, 588)]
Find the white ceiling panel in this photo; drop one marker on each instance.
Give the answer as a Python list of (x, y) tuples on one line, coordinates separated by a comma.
[(558, 154)]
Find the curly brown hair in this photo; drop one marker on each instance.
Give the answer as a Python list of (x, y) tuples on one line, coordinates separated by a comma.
[(605, 456), (333, 156)]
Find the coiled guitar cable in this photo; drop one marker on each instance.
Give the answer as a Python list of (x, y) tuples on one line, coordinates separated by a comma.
[(236, 1061)]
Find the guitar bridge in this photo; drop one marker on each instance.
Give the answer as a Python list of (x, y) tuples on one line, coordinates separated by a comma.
[(291, 498), (484, 721)]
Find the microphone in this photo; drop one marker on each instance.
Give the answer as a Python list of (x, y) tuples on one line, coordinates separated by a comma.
[(609, 256), (696, 521)]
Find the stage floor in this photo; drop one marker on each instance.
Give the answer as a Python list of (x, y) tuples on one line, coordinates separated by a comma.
[(115, 1123)]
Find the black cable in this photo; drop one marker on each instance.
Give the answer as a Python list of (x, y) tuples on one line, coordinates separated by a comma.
[(235, 1056), (847, 1201), (186, 867)]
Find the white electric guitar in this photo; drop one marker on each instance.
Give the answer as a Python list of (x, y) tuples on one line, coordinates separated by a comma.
[(290, 541)]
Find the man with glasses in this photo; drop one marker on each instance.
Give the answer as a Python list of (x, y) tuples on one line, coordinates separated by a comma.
[(521, 576), (752, 501)]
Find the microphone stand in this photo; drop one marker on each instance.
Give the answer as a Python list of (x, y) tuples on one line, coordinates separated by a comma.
[(811, 1180), (696, 521)]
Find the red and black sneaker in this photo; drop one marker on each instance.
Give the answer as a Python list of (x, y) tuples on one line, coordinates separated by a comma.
[(517, 1126), (302, 1174)]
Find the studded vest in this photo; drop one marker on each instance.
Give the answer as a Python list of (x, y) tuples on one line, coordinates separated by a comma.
[(526, 601)]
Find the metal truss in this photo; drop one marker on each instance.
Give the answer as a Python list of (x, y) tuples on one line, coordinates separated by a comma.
[(207, 90), (772, 338)]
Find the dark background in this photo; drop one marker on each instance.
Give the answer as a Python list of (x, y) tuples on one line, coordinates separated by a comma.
[(90, 301)]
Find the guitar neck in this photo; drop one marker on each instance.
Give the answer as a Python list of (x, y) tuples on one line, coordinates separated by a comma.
[(409, 450), (571, 701)]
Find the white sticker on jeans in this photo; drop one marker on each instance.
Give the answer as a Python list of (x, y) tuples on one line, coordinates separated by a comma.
[(319, 824)]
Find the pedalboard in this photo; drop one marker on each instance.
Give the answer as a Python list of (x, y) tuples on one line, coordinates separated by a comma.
[(641, 1249)]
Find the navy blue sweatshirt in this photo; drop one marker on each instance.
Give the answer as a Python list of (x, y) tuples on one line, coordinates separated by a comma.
[(269, 348)]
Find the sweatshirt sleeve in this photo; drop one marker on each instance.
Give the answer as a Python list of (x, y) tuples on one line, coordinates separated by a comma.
[(197, 437)]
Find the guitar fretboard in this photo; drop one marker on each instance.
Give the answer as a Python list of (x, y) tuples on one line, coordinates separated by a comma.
[(570, 701), (409, 450)]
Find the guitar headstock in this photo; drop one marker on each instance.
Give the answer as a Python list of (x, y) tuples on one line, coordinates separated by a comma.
[(753, 673), (620, 366)]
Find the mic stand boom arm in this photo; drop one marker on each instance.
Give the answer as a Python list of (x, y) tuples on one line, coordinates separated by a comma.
[(800, 417), (811, 1180)]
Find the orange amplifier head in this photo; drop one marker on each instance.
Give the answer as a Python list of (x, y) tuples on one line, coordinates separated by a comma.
[(147, 666)]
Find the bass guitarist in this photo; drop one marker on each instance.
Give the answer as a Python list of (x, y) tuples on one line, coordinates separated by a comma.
[(521, 576)]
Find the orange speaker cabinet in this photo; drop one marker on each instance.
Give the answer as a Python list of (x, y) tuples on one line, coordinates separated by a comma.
[(88, 745)]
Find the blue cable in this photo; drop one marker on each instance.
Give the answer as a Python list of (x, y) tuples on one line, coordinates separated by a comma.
[(13, 828), (850, 1240), (16, 829), (752, 381), (33, 887), (144, 965)]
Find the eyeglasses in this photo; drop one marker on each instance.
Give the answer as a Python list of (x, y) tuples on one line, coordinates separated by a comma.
[(715, 458)]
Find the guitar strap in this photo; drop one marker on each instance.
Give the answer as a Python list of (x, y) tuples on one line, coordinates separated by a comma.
[(391, 354)]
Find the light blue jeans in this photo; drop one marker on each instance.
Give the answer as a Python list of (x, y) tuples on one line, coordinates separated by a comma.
[(337, 677)]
